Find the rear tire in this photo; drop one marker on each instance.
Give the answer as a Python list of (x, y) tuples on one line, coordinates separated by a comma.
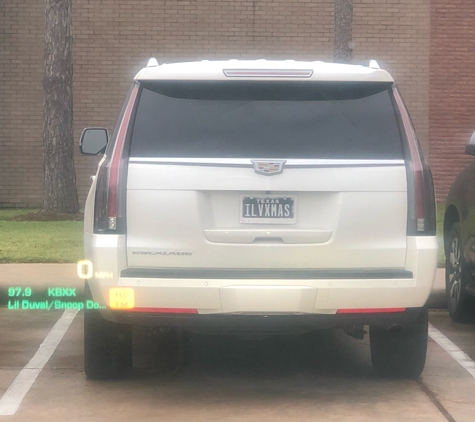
[(107, 345), (402, 354), (459, 302)]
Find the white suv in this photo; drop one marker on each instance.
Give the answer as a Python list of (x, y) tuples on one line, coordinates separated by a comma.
[(260, 196)]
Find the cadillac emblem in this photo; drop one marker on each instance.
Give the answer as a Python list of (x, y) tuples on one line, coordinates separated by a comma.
[(268, 168)]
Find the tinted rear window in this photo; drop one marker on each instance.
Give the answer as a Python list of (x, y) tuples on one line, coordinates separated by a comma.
[(266, 120)]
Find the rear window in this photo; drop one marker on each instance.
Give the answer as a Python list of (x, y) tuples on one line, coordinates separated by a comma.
[(248, 119)]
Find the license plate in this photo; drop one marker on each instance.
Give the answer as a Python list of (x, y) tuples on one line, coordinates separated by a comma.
[(268, 209)]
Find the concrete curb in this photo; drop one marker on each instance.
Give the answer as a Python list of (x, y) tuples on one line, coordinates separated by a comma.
[(40, 276)]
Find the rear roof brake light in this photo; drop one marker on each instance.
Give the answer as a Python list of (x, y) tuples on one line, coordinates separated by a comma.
[(268, 73)]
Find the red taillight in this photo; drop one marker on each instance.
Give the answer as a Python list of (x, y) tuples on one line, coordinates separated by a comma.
[(109, 211), (421, 219), (370, 311), (165, 310)]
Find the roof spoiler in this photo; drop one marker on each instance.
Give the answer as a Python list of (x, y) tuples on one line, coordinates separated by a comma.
[(373, 64)]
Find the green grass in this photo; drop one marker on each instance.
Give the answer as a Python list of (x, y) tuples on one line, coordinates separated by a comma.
[(39, 241), (9, 213)]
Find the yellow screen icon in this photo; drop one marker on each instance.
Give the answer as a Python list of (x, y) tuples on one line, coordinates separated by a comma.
[(121, 298)]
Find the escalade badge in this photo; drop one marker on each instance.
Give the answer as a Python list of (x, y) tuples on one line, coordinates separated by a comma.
[(268, 168)]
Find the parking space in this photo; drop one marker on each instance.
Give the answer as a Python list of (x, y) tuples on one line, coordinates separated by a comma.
[(323, 376)]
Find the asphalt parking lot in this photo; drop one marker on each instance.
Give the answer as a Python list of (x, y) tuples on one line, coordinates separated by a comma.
[(324, 376)]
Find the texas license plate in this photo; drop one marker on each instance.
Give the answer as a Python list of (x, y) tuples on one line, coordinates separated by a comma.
[(268, 209)]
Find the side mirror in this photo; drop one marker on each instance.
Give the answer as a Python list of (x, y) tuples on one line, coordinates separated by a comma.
[(93, 141), (470, 148)]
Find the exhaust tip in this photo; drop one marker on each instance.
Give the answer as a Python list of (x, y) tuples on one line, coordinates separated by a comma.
[(396, 329)]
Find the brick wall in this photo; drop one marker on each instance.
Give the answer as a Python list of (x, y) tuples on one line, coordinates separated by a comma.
[(21, 102), (452, 95), (114, 38), (397, 34)]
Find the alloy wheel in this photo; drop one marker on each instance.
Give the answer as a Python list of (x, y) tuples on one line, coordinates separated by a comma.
[(455, 272)]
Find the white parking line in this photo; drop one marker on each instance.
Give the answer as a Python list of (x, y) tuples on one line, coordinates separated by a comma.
[(13, 397), (460, 356)]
